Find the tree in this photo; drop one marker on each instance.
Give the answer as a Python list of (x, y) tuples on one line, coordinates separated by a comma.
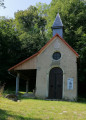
[(31, 27), (10, 47), (42, 9), (2, 3)]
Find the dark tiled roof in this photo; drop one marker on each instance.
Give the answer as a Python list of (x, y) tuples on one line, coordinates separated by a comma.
[(57, 22)]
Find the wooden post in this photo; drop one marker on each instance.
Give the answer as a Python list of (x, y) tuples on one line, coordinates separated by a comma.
[(17, 83), (27, 86)]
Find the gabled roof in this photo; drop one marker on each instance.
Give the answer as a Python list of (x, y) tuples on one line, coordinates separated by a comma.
[(43, 48), (57, 22)]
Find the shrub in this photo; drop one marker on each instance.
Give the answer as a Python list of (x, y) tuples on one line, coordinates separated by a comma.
[(1, 90)]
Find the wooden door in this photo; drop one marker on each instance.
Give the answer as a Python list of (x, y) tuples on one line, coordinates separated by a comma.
[(55, 83)]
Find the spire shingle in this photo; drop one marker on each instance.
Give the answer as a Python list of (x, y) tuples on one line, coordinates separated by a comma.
[(58, 21)]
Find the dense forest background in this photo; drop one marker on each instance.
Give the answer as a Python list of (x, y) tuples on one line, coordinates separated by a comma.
[(31, 29)]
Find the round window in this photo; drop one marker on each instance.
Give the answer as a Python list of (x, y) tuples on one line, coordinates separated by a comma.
[(56, 55)]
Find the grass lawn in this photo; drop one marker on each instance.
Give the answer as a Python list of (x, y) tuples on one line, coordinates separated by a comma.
[(34, 109)]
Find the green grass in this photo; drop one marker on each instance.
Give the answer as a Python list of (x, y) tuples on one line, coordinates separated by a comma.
[(34, 109)]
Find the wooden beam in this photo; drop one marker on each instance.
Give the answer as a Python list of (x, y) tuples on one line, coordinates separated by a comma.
[(27, 86), (17, 83)]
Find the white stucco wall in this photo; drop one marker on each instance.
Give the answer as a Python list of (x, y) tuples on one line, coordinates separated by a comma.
[(45, 62)]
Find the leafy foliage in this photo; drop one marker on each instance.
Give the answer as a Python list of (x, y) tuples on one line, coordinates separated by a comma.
[(2, 3), (1, 90), (31, 28), (10, 46)]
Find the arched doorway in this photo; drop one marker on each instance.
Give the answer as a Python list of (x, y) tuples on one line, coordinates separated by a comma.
[(55, 83)]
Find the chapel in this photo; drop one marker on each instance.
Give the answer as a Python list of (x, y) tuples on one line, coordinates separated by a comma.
[(52, 70)]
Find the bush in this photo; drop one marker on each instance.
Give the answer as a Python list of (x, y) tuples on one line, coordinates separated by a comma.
[(1, 90)]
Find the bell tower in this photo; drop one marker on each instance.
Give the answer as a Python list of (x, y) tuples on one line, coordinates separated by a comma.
[(58, 26)]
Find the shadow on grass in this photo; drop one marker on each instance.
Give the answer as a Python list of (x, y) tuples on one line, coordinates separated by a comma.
[(80, 100), (28, 98), (5, 115)]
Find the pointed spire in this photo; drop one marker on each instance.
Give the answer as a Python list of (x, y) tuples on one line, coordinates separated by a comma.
[(58, 21), (58, 26)]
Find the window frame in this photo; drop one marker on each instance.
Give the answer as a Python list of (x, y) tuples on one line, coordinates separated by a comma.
[(56, 57)]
